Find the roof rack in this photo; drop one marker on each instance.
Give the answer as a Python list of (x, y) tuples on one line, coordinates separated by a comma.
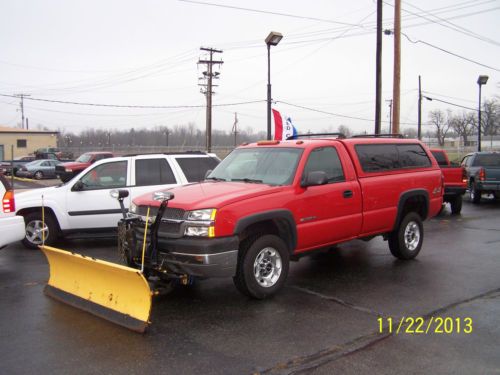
[(309, 135), (169, 153), (394, 135)]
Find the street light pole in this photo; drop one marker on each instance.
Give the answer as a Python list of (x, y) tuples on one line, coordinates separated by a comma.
[(481, 80), (272, 40)]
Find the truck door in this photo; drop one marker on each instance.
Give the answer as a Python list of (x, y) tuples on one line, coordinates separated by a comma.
[(331, 212)]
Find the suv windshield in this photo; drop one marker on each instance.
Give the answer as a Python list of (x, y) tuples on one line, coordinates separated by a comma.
[(267, 165)]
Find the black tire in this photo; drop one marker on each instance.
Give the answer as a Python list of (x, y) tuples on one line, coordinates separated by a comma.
[(456, 205), (406, 241), (269, 254), (474, 193), (38, 175), (33, 237)]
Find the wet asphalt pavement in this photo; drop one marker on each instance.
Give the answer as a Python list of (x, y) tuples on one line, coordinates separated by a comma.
[(325, 321)]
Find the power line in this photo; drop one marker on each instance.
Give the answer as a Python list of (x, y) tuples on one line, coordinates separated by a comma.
[(133, 106), (449, 52), (450, 103)]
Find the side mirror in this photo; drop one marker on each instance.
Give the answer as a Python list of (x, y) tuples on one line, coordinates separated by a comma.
[(315, 178), (78, 186), (207, 173), (119, 194)]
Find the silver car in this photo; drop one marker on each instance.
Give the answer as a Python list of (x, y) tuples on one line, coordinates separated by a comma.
[(39, 169)]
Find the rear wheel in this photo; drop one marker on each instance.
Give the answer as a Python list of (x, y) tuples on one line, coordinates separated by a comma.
[(262, 266), (38, 175), (36, 231), (475, 193), (456, 205), (406, 241)]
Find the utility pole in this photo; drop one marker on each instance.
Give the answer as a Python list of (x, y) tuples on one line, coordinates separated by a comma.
[(397, 66), (27, 124), (419, 126), (235, 127), (378, 69), (208, 75), (22, 96)]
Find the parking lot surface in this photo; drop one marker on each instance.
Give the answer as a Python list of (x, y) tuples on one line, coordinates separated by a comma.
[(325, 321)]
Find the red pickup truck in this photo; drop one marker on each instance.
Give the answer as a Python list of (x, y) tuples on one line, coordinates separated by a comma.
[(66, 171), (455, 180), (271, 202)]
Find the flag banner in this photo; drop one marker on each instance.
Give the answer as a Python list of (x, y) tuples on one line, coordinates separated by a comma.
[(283, 131)]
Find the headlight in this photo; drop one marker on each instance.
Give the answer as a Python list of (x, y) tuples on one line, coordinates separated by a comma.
[(132, 208), (202, 215), (200, 223)]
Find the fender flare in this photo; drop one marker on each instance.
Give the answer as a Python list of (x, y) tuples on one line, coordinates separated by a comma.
[(284, 215), (407, 195)]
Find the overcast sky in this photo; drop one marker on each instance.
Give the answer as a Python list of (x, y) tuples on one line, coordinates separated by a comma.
[(146, 53)]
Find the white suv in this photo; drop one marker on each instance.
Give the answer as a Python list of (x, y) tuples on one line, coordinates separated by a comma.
[(11, 226), (83, 205)]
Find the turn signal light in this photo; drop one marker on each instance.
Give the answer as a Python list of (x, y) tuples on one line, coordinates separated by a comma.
[(464, 175), (8, 203)]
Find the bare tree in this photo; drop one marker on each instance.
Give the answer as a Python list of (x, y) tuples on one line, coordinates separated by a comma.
[(344, 130), (442, 124), (409, 133), (490, 117), (464, 125)]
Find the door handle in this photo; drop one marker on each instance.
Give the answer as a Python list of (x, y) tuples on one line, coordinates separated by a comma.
[(347, 194)]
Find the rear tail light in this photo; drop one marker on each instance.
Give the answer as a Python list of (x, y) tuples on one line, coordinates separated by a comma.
[(464, 175), (482, 174), (8, 203)]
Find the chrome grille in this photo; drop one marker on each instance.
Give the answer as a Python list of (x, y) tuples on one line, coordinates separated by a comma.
[(170, 212)]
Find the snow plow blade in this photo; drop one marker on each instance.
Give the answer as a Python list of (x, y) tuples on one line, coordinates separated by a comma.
[(111, 291)]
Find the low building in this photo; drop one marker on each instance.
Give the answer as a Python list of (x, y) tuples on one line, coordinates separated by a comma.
[(24, 142)]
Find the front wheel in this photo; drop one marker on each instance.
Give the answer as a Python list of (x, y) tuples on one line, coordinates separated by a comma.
[(262, 266), (406, 241), (38, 231)]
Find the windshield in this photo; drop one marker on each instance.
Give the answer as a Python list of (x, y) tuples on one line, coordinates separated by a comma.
[(83, 158), (267, 165)]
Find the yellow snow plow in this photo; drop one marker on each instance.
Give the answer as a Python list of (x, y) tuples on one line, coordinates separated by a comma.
[(111, 291)]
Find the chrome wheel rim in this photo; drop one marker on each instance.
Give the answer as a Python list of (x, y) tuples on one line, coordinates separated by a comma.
[(38, 175), (34, 230), (412, 235), (267, 267)]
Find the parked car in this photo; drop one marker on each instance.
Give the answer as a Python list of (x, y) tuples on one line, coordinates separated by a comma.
[(83, 206), (271, 202), (455, 180), (39, 169), (66, 171), (13, 165), (11, 225), (483, 174)]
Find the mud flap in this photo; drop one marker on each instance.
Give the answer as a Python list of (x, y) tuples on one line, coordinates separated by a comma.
[(111, 291)]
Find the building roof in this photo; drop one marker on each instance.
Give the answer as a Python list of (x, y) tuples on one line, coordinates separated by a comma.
[(6, 129)]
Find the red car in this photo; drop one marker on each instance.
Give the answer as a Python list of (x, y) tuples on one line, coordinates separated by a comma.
[(66, 171)]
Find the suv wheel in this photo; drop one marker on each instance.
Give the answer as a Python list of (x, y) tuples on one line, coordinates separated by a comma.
[(35, 230), (475, 194), (262, 266), (406, 241), (456, 205)]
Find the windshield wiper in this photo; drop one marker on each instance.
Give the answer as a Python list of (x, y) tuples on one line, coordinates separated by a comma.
[(215, 178), (249, 180)]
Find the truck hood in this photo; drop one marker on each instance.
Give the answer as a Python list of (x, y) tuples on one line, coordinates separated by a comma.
[(209, 194), (73, 164)]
